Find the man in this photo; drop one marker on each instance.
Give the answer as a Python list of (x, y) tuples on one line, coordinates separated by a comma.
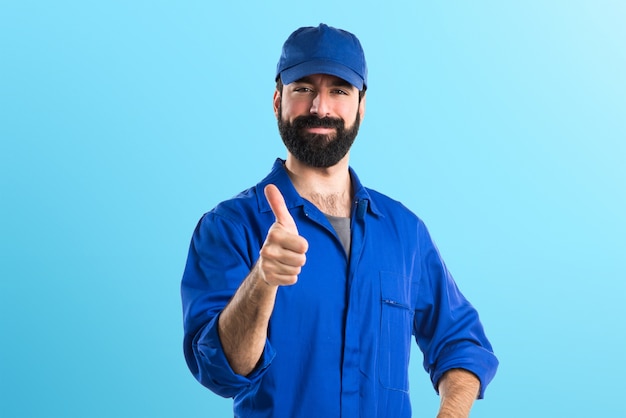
[(301, 294)]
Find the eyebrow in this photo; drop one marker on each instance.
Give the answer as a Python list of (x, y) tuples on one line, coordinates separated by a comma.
[(336, 82)]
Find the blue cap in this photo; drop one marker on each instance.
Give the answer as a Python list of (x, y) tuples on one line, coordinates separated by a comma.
[(322, 50)]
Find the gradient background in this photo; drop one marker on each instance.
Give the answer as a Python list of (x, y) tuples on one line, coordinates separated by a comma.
[(501, 123)]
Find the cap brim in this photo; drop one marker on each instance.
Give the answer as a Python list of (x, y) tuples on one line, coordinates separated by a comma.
[(308, 68)]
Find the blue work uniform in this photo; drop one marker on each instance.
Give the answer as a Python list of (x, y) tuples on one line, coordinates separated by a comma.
[(339, 339)]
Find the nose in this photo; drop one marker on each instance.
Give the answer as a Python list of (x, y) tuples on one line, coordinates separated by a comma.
[(320, 105)]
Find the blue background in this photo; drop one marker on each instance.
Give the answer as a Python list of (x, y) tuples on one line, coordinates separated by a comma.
[(502, 124)]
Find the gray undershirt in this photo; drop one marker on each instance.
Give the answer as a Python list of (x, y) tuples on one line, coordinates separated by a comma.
[(342, 228)]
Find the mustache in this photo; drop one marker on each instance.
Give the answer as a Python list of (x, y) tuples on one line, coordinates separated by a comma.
[(309, 121)]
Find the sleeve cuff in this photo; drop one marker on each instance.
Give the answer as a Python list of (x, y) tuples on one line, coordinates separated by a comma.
[(475, 359), (215, 372)]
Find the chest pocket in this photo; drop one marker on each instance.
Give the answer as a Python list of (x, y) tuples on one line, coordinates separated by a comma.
[(396, 322)]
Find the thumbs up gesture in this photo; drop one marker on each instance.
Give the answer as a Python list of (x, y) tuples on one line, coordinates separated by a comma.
[(284, 252)]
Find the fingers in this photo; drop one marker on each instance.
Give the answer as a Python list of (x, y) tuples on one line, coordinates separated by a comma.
[(277, 203), (280, 267)]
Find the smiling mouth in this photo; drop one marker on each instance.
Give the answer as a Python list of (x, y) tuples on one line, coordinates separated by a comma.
[(320, 130)]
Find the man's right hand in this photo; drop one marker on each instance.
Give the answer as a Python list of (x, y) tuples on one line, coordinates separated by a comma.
[(284, 252)]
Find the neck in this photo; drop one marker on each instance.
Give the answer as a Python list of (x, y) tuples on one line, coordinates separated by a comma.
[(329, 188)]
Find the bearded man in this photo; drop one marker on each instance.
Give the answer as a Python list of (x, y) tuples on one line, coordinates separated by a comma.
[(302, 294)]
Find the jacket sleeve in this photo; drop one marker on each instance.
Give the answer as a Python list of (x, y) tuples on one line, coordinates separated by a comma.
[(220, 257), (447, 327)]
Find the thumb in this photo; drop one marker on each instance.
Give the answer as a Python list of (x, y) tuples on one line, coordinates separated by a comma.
[(277, 203)]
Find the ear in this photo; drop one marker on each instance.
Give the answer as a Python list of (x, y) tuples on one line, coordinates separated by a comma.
[(276, 101), (362, 106)]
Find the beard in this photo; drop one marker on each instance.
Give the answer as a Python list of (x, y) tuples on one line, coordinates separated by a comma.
[(317, 150)]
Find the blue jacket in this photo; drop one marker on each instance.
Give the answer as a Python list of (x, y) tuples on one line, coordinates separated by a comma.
[(339, 339)]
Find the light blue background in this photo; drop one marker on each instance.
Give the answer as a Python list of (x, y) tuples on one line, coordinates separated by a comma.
[(501, 123)]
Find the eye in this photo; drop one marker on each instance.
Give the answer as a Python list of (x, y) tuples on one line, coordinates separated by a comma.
[(302, 89), (340, 92)]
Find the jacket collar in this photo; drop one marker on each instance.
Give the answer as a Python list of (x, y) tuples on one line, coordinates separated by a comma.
[(279, 177)]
